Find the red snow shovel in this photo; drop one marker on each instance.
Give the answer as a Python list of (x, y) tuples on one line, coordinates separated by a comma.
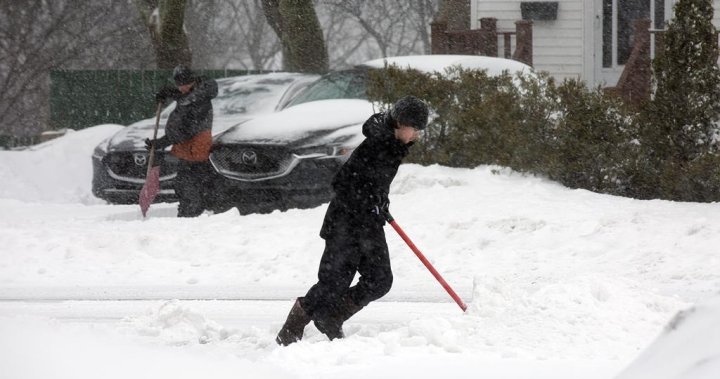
[(424, 260), (152, 179)]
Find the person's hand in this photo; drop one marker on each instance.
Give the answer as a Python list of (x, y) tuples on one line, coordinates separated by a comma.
[(158, 143), (381, 207), (164, 93)]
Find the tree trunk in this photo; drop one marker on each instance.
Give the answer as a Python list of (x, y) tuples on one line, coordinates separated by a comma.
[(297, 26), (164, 20), (272, 14)]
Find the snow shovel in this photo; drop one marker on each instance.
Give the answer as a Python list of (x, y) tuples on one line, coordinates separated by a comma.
[(152, 179), (424, 260)]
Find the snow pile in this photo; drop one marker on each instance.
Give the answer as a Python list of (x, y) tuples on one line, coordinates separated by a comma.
[(58, 170), (177, 325), (560, 283), (36, 349), (551, 313), (688, 348)]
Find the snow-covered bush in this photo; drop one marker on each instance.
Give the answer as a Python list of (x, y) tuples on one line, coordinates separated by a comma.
[(580, 137)]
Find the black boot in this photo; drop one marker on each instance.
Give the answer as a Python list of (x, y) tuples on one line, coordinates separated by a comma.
[(331, 326), (294, 326)]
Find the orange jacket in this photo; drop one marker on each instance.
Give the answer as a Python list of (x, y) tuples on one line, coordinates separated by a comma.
[(196, 149)]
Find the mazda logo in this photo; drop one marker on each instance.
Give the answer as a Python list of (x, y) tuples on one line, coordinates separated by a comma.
[(140, 159), (249, 157)]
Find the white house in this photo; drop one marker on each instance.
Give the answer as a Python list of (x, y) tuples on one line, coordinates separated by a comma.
[(586, 39)]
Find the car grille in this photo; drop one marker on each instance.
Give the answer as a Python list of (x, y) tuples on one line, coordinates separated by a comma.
[(124, 164), (252, 162)]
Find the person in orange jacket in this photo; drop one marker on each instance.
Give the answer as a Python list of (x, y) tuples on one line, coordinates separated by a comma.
[(188, 130)]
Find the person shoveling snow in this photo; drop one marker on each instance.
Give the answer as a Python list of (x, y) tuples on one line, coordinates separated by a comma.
[(353, 225)]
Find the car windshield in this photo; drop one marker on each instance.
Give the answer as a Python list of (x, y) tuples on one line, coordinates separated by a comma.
[(350, 84), (246, 95)]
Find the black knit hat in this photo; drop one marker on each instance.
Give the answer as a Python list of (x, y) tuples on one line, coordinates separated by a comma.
[(183, 75), (412, 111)]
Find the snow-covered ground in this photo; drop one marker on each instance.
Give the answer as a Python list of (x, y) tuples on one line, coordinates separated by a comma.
[(560, 283)]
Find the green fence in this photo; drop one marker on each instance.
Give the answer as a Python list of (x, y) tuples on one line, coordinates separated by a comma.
[(83, 98)]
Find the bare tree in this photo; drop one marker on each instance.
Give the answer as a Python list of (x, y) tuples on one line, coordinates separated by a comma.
[(397, 27), (297, 26), (200, 19), (231, 34), (425, 9), (37, 36), (348, 41), (165, 21)]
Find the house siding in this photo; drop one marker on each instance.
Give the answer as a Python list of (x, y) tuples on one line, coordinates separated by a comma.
[(564, 47), (557, 45)]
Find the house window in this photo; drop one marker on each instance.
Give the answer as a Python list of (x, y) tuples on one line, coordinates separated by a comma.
[(607, 35), (628, 12), (659, 14), (618, 33)]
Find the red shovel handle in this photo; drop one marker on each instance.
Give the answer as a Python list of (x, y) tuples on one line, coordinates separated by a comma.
[(427, 263)]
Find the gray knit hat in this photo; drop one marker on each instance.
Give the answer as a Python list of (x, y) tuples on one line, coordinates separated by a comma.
[(183, 75), (412, 111)]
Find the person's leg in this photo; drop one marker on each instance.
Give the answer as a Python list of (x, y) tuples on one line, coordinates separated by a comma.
[(376, 276), (337, 269), (294, 327), (375, 281), (335, 274), (183, 173), (189, 190), (208, 193)]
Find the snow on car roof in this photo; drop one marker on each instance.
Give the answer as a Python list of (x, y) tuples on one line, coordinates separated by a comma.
[(299, 120), (439, 63)]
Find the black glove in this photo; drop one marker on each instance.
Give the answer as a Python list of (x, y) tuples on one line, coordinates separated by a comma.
[(159, 143), (382, 206), (165, 93)]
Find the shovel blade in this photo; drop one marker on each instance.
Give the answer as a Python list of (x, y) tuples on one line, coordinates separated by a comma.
[(150, 189)]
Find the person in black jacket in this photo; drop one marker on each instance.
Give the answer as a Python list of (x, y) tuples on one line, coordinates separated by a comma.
[(353, 225), (188, 130)]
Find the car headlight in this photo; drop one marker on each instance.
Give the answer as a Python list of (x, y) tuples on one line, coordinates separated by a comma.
[(325, 150), (342, 150), (101, 149)]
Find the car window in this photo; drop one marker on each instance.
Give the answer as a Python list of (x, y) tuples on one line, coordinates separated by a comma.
[(245, 95), (251, 97), (351, 84)]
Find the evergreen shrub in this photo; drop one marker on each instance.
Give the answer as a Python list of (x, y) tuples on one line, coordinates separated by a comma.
[(679, 128), (666, 148), (579, 137)]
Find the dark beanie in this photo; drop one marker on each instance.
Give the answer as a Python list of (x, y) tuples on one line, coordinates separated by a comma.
[(412, 111), (183, 75)]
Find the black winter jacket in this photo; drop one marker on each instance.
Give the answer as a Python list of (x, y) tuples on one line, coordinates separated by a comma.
[(363, 182), (193, 112)]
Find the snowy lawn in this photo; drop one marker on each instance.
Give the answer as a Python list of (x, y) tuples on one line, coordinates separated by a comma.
[(560, 283)]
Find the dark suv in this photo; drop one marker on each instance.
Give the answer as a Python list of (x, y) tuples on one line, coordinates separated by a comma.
[(120, 162), (287, 159)]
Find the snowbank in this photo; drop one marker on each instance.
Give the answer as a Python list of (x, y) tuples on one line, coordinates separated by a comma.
[(688, 348), (560, 283), (58, 170)]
